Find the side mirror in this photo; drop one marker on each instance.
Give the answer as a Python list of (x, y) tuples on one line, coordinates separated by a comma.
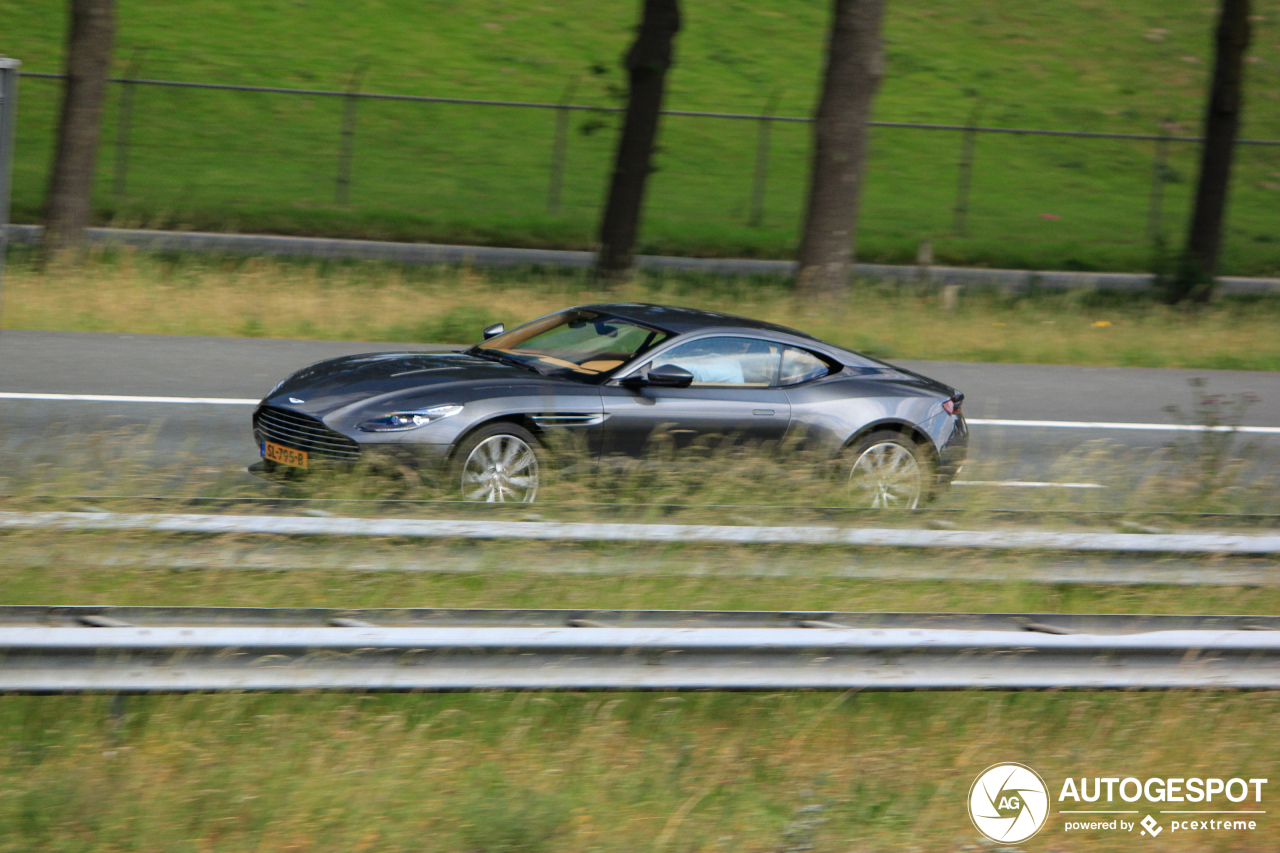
[(662, 376), (493, 331)]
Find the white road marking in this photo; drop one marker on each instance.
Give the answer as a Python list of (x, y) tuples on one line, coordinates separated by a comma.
[(113, 398), (235, 401), (1027, 484), (1110, 425)]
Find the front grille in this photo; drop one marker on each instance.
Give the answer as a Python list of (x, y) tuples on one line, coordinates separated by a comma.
[(303, 432)]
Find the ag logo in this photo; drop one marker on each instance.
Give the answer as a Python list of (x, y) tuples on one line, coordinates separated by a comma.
[(1008, 803)]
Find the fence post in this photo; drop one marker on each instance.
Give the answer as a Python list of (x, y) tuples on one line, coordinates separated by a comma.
[(124, 126), (8, 118), (761, 175), (558, 146), (1159, 174), (342, 188), (959, 221)]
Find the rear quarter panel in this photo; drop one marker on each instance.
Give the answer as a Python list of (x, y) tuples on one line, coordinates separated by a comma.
[(826, 414)]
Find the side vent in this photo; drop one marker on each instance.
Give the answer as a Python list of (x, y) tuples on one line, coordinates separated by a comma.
[(569, 419)]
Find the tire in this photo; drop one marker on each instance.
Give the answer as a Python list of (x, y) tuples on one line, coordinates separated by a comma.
[(887, 470), (498, 463)]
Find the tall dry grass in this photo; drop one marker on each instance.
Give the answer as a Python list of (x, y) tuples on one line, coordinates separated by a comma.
[(130, 292), (714, 481), (525, 773), (570, 773)]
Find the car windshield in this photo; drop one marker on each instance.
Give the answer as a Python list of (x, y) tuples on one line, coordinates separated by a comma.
[(575, 344)]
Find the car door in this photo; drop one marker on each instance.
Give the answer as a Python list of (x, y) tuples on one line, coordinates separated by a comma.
[(734, 394)]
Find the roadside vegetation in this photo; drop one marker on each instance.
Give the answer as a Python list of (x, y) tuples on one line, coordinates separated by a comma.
[(527, 772), (255, 162), (502, 772), (192, 295), (712, 482), (532, 772), (543, 771)]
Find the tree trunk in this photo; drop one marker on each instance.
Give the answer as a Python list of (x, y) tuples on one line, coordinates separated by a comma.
[(855, 65), (89, 41), (1221, 124), (646, 62)]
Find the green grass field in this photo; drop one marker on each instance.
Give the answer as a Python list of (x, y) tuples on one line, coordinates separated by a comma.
[(259, 162)]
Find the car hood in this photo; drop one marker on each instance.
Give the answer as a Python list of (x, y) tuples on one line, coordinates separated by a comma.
[(333, 384)]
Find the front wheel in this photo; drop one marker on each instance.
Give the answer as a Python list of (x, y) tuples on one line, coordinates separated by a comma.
[(887, 470), (498, 464)]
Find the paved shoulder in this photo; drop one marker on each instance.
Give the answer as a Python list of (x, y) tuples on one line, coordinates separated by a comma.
[(1112, 394), (190, 366)]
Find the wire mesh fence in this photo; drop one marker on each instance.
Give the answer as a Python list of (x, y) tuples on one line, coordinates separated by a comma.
[(356, 163)]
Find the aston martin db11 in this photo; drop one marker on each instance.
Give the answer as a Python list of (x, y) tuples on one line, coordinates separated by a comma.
[(615, 377)]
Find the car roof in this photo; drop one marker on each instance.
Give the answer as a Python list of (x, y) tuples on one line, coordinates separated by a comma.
[(685, 320)]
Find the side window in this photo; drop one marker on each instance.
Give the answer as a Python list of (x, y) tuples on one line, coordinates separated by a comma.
[(800, 366), (727, 361)]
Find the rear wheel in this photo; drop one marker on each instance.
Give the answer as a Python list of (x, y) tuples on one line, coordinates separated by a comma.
[(497, 464), (887, 470)]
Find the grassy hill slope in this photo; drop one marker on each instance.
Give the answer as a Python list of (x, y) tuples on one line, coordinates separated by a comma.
[(445, 172)]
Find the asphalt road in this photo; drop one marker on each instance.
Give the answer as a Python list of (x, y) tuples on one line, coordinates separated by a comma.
[(243, 369)]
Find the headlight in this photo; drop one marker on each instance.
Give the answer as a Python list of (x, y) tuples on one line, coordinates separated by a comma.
[(412, 419)]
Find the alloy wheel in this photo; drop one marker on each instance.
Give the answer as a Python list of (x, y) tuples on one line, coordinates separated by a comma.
[(886, 476), (499, 469)]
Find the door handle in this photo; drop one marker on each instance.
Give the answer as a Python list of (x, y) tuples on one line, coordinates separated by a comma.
[(762, 412)]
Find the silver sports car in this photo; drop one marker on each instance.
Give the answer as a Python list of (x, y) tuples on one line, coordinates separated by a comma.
[(613, 375)]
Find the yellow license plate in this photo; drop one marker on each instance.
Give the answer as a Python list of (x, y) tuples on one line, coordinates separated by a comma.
[(284, 455)]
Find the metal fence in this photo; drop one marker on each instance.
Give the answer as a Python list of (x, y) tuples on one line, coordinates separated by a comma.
[(388, 154)]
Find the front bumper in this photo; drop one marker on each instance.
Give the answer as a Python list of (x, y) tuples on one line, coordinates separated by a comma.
[(426, 461), (329, 449)]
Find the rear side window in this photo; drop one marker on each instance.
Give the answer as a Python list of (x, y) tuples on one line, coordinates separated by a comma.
[(726, 361), (800, 365)]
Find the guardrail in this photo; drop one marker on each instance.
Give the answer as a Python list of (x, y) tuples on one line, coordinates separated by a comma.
[(860, 537), (143, 650)]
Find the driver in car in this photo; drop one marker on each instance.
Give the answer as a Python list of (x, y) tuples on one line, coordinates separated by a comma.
[(710, 364)]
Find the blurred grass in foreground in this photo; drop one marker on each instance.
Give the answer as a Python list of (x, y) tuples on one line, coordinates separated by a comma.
[(736, 487), (524, 773), (190, 295), (566, 772), (531, 772), (501, 772), (712, 482)]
